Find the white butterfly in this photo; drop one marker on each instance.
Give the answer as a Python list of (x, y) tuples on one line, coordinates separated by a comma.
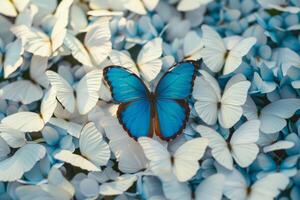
[(129, 153), (183, 163), (266, 188), (211, 105), (93, 148), (31, 121), (140, 6), (228, 53), (118, 186), (86, 91), (210, 188), (273, 115), (148, 63), (97, 44), (22, 161), (11, 8), (186, 5), (39, 43), (241, 147), (57, 187)]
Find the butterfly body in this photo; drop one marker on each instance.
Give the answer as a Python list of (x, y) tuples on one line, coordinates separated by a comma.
[(163, 111)]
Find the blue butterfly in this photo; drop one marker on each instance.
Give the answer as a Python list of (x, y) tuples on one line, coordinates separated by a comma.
[(164, 111)]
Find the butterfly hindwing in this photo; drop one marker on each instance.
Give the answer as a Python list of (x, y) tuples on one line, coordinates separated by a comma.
[(171, 117)]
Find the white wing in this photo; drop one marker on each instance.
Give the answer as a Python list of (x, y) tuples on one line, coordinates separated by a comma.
[(78, 50), (129, 153), (187, 156), (87, 91), (38, 67), (12, 137), (207, 98), (274, 114), (23, 91), (148, 61), (268, 187), (233, 98), (7, 8), (120, 185), (59, 30), (92, 145), (48, 104), (97, 40), (211, 188), (187, 5), (35, 41), (279, 145), (64, 92), (13, 57), (122, 59), (192, 46), (175, 190), (214, 50), (24, 121), (135, 6), (158, 156), (22, 161), (75, 160), (218, 146), (244, 149), (234, 58), (235, 186)]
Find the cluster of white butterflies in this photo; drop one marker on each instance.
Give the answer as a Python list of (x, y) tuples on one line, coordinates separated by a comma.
[(69, 105)]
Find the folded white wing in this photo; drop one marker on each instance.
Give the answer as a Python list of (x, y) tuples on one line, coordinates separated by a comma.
[(120, 185)]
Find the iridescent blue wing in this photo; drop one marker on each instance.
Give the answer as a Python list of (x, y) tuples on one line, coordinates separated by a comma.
[(171, 117), (134, 112), (171, 107), (125, 86), (178, 81), (136, 118)]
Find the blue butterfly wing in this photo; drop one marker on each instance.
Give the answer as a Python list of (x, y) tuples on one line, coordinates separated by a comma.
[(178, 82), (171, 117), (134, 112), (125, 86), (136, 118), (172, 110)]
